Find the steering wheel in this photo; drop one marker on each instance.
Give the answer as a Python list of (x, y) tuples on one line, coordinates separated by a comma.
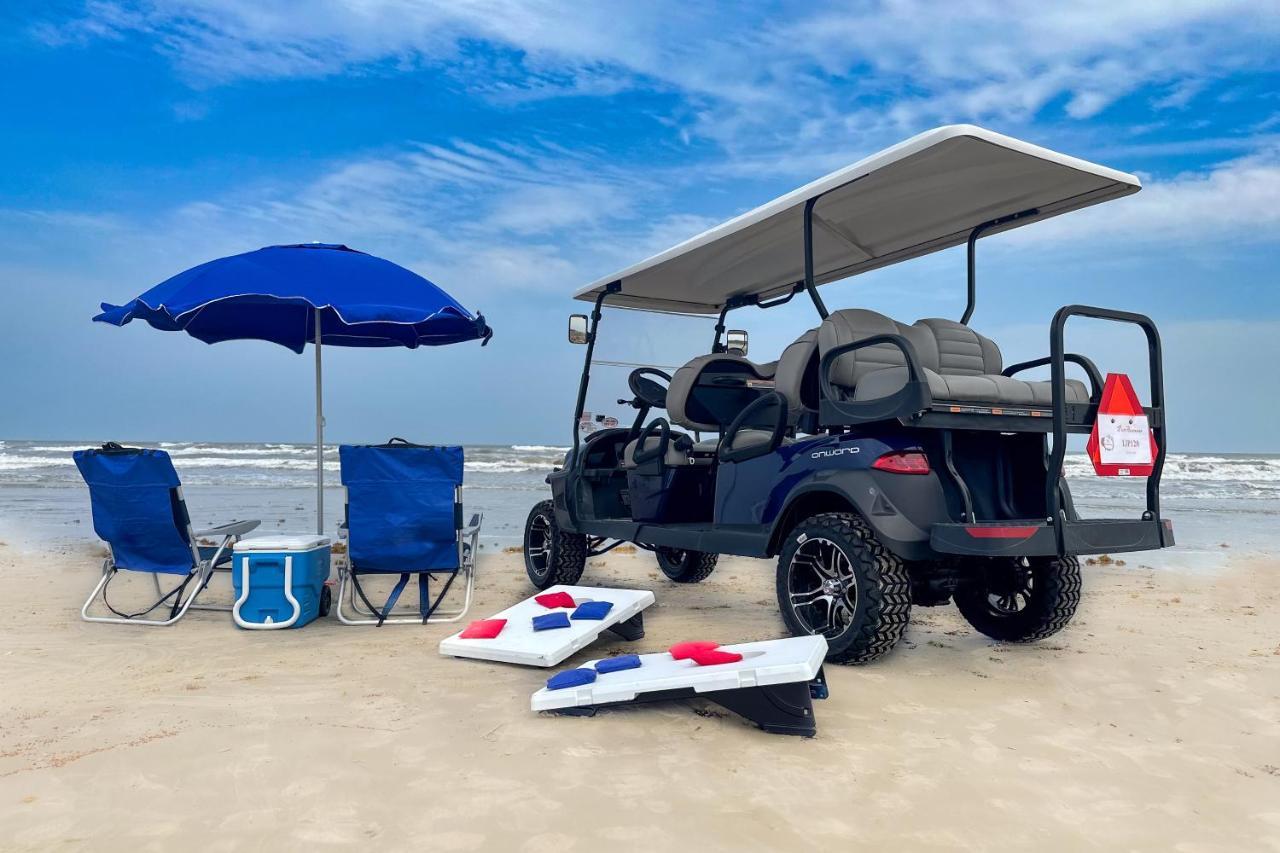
[(648, 392)]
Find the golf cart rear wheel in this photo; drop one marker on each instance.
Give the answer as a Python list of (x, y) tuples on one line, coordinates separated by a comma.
[(1021, 599), (836, 579), (684, 566), (552, 555)]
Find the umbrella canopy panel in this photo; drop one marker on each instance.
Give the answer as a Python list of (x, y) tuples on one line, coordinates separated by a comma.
[(273, 294)]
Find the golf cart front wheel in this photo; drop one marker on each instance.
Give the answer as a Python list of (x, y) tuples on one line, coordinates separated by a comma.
[(1020, 599), (684, 566), (552, 555), (837, 580)]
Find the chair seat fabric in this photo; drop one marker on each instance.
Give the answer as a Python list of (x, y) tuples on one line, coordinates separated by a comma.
[(133, 494), (991, 389), (402, 512)]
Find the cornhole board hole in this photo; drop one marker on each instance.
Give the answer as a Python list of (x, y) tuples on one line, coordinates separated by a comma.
[(773, 686), (519, 643)]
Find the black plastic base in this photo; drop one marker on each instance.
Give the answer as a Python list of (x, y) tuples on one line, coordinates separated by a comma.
[(630, 629), (783, 709)]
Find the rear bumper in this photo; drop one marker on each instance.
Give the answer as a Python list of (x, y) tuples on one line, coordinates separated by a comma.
[(1039, 539)]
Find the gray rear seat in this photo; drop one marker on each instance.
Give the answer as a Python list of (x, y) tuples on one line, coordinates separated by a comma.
[(960, 365)]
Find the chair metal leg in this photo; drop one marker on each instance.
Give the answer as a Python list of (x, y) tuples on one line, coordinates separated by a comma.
[(201, 574)]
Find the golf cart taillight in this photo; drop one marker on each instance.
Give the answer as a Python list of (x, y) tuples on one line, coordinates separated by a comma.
[(903, 462)]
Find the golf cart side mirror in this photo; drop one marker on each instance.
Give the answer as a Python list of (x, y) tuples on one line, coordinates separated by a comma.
[(578, 328), (736, 342)]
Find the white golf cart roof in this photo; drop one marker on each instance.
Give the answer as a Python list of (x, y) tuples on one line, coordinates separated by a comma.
[(918, 197)]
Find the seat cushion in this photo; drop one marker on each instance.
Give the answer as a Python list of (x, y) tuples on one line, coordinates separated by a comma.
[(677, 450), (742, 439), (985, 389)]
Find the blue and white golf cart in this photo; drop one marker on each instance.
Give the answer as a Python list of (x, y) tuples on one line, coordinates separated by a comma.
[(883, 463)]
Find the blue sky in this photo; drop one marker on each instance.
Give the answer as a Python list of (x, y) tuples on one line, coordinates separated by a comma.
[(513, 151)]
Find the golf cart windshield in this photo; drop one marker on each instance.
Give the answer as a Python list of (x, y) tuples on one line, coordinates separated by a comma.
[(632, 340), (923, 195)]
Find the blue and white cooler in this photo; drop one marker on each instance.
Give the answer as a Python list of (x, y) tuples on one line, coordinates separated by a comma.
[(280, 580)]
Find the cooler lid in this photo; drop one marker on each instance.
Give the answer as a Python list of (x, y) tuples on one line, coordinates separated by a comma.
[(282, 542)]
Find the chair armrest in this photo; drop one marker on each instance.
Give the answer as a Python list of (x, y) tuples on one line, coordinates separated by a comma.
[(233, 528), (663, 430), (1095, 376), (913, 397), (774, 400), (474, 526)]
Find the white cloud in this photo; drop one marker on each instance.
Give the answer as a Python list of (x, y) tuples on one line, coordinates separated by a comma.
[(755, 79), (1234, 202)]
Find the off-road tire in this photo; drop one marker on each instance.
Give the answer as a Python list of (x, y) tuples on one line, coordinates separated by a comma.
[(683, 566), (883, 587), (1049, 604), (565, 554)]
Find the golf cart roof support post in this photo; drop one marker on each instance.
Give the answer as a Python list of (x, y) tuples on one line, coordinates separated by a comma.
[(596, 314), (808, 258), (716, 346), (973, 257)]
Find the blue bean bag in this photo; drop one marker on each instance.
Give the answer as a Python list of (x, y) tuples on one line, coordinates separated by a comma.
[(617, 664), (548, 621), (593, 610), (571, 678)]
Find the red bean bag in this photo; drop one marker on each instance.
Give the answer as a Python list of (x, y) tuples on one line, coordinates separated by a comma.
[(711, 657), (684, 651), (555, 599), (483, 629)]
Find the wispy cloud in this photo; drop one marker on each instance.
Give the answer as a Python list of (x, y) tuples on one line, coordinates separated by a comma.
[(765, 77), (1232, 202)]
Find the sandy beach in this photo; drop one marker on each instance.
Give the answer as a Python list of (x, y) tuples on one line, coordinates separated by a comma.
[(1151, 723)]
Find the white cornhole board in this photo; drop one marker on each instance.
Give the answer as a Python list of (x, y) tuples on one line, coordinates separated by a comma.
[(768, 663), (519, 643)]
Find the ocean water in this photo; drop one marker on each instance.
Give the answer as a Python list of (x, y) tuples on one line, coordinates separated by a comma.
[(1213, 499)]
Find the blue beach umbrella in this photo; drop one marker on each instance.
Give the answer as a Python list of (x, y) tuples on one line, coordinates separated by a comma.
[(309, 293)]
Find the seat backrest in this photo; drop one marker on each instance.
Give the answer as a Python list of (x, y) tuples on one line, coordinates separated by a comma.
[(961, 350), (796, 376), (138, 509), (694, 404), (403, 508), (854, 324)]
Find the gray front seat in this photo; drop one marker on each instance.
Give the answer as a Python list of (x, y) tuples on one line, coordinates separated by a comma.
[(960, 365), (794, 377)]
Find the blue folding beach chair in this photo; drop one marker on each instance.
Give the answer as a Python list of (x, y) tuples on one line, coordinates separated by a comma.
[(138, 510), (404, 517)]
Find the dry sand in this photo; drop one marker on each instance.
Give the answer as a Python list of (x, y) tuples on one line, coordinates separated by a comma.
[(1151, 723)]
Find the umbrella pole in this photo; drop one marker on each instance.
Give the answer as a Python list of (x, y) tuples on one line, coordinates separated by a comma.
[(319, 434)]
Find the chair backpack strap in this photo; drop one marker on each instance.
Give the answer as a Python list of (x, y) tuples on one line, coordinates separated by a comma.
[(176, 591), (355, 582), (425, 605)]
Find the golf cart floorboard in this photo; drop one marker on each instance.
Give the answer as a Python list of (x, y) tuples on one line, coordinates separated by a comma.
[(1038, 538), (745, 540)]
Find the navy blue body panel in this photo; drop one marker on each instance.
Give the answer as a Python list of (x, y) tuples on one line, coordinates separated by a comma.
[(835, 471), (756, 491)]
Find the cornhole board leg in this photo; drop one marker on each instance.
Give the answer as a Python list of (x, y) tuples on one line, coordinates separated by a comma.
[(630, 629), (783, 709)]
